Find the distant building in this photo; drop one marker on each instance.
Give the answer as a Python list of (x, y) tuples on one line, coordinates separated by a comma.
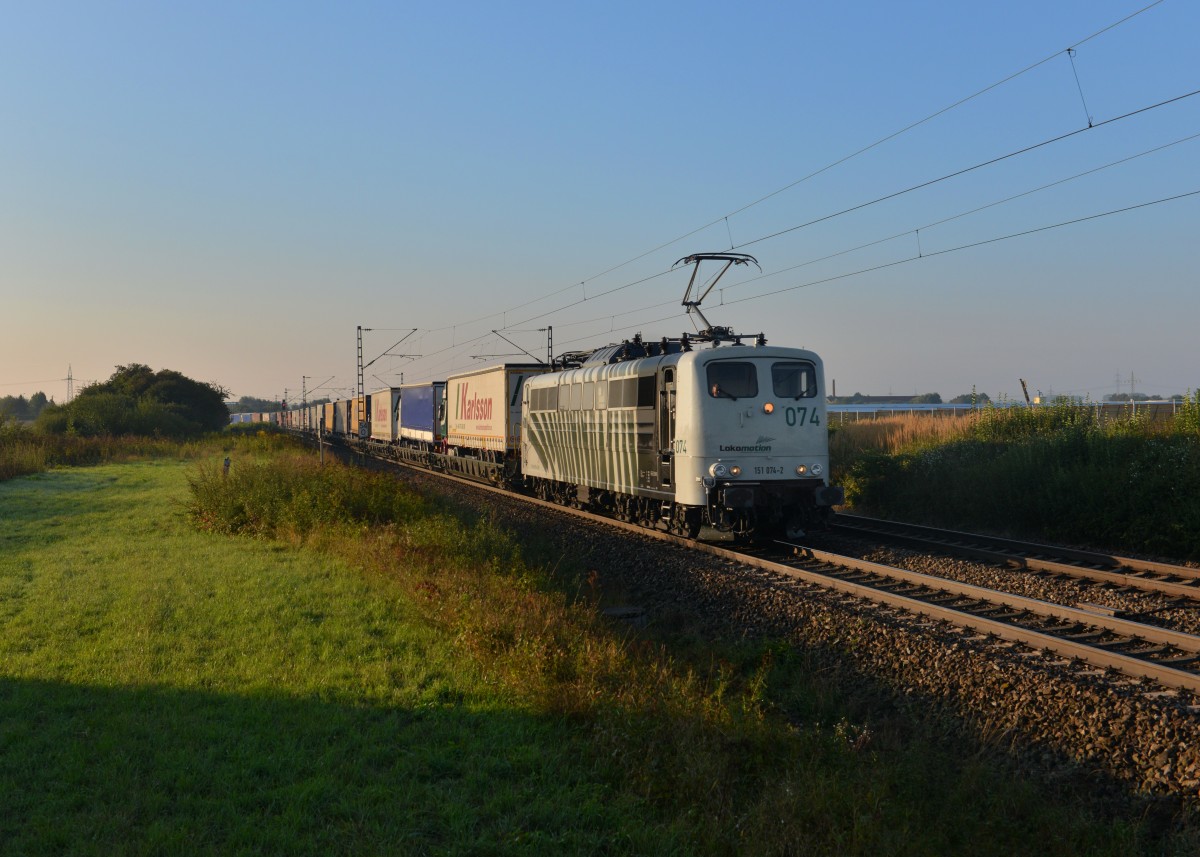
[(859, 399)]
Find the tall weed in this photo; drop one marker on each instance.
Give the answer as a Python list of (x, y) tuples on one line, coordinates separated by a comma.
[(1054, 472), (24, 451), (1187, 418), (291, 495)]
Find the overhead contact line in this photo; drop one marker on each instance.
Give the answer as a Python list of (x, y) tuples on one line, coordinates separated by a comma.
[(962, 214), (966, 170), (967, 246), (921, 253), (725, 217)]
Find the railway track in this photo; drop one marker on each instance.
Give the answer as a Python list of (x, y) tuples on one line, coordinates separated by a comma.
[(1094, 637), (1171, 658), (1178, 581)]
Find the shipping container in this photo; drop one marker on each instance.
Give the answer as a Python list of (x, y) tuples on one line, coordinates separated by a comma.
[(483, 408)]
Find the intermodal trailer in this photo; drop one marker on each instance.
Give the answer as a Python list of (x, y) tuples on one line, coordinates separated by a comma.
[(341, 417), (385, 405), (419, 421), (483, 408), (358, 421)]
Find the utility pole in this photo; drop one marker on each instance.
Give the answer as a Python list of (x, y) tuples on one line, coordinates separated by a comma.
[(304, 420), (1132, 381), (70, 383), (361, 402)]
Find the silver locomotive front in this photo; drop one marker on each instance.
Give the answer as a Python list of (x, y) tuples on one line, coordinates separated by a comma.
[(750, 442)]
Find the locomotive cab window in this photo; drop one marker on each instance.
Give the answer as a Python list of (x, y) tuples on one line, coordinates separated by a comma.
[(794, 380), (732, 380)]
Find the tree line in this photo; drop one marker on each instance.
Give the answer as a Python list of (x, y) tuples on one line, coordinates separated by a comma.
[(136, 400), (252, 405), (20, 408)]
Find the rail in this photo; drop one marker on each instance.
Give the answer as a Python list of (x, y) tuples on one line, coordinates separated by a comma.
[(1179, 581)]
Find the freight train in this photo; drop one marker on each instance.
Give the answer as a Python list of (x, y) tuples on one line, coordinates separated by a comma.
[(700, 431)]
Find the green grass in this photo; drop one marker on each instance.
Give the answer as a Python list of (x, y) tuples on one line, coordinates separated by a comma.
[(164, 691), (393, 675)]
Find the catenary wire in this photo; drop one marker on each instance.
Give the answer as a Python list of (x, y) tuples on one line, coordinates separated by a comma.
[(503, 313), (881, 140), (909, 259), (877, 200), (968, 246), (963, 214), (461, 346), (966, 170), (826, 168), (878, 241)]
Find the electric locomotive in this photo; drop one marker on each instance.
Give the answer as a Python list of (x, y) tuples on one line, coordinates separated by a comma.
[(731, 436)]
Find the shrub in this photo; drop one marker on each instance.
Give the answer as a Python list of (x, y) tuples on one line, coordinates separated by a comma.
[(1187, 417), (1050, 472), (138, 401)]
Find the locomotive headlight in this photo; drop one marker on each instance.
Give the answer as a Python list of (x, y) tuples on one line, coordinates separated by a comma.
[(817, 470), (801, 469), (734, 470), (769, 408), (719, 470)]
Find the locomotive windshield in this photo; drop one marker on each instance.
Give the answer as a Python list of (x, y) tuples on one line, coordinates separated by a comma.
[(729, 379), (794, 380)]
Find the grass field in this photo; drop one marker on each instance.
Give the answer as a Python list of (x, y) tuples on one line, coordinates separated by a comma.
[(164, 691), (417, 685)]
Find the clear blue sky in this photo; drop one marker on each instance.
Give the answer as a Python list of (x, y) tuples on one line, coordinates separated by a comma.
[(229, 189)]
